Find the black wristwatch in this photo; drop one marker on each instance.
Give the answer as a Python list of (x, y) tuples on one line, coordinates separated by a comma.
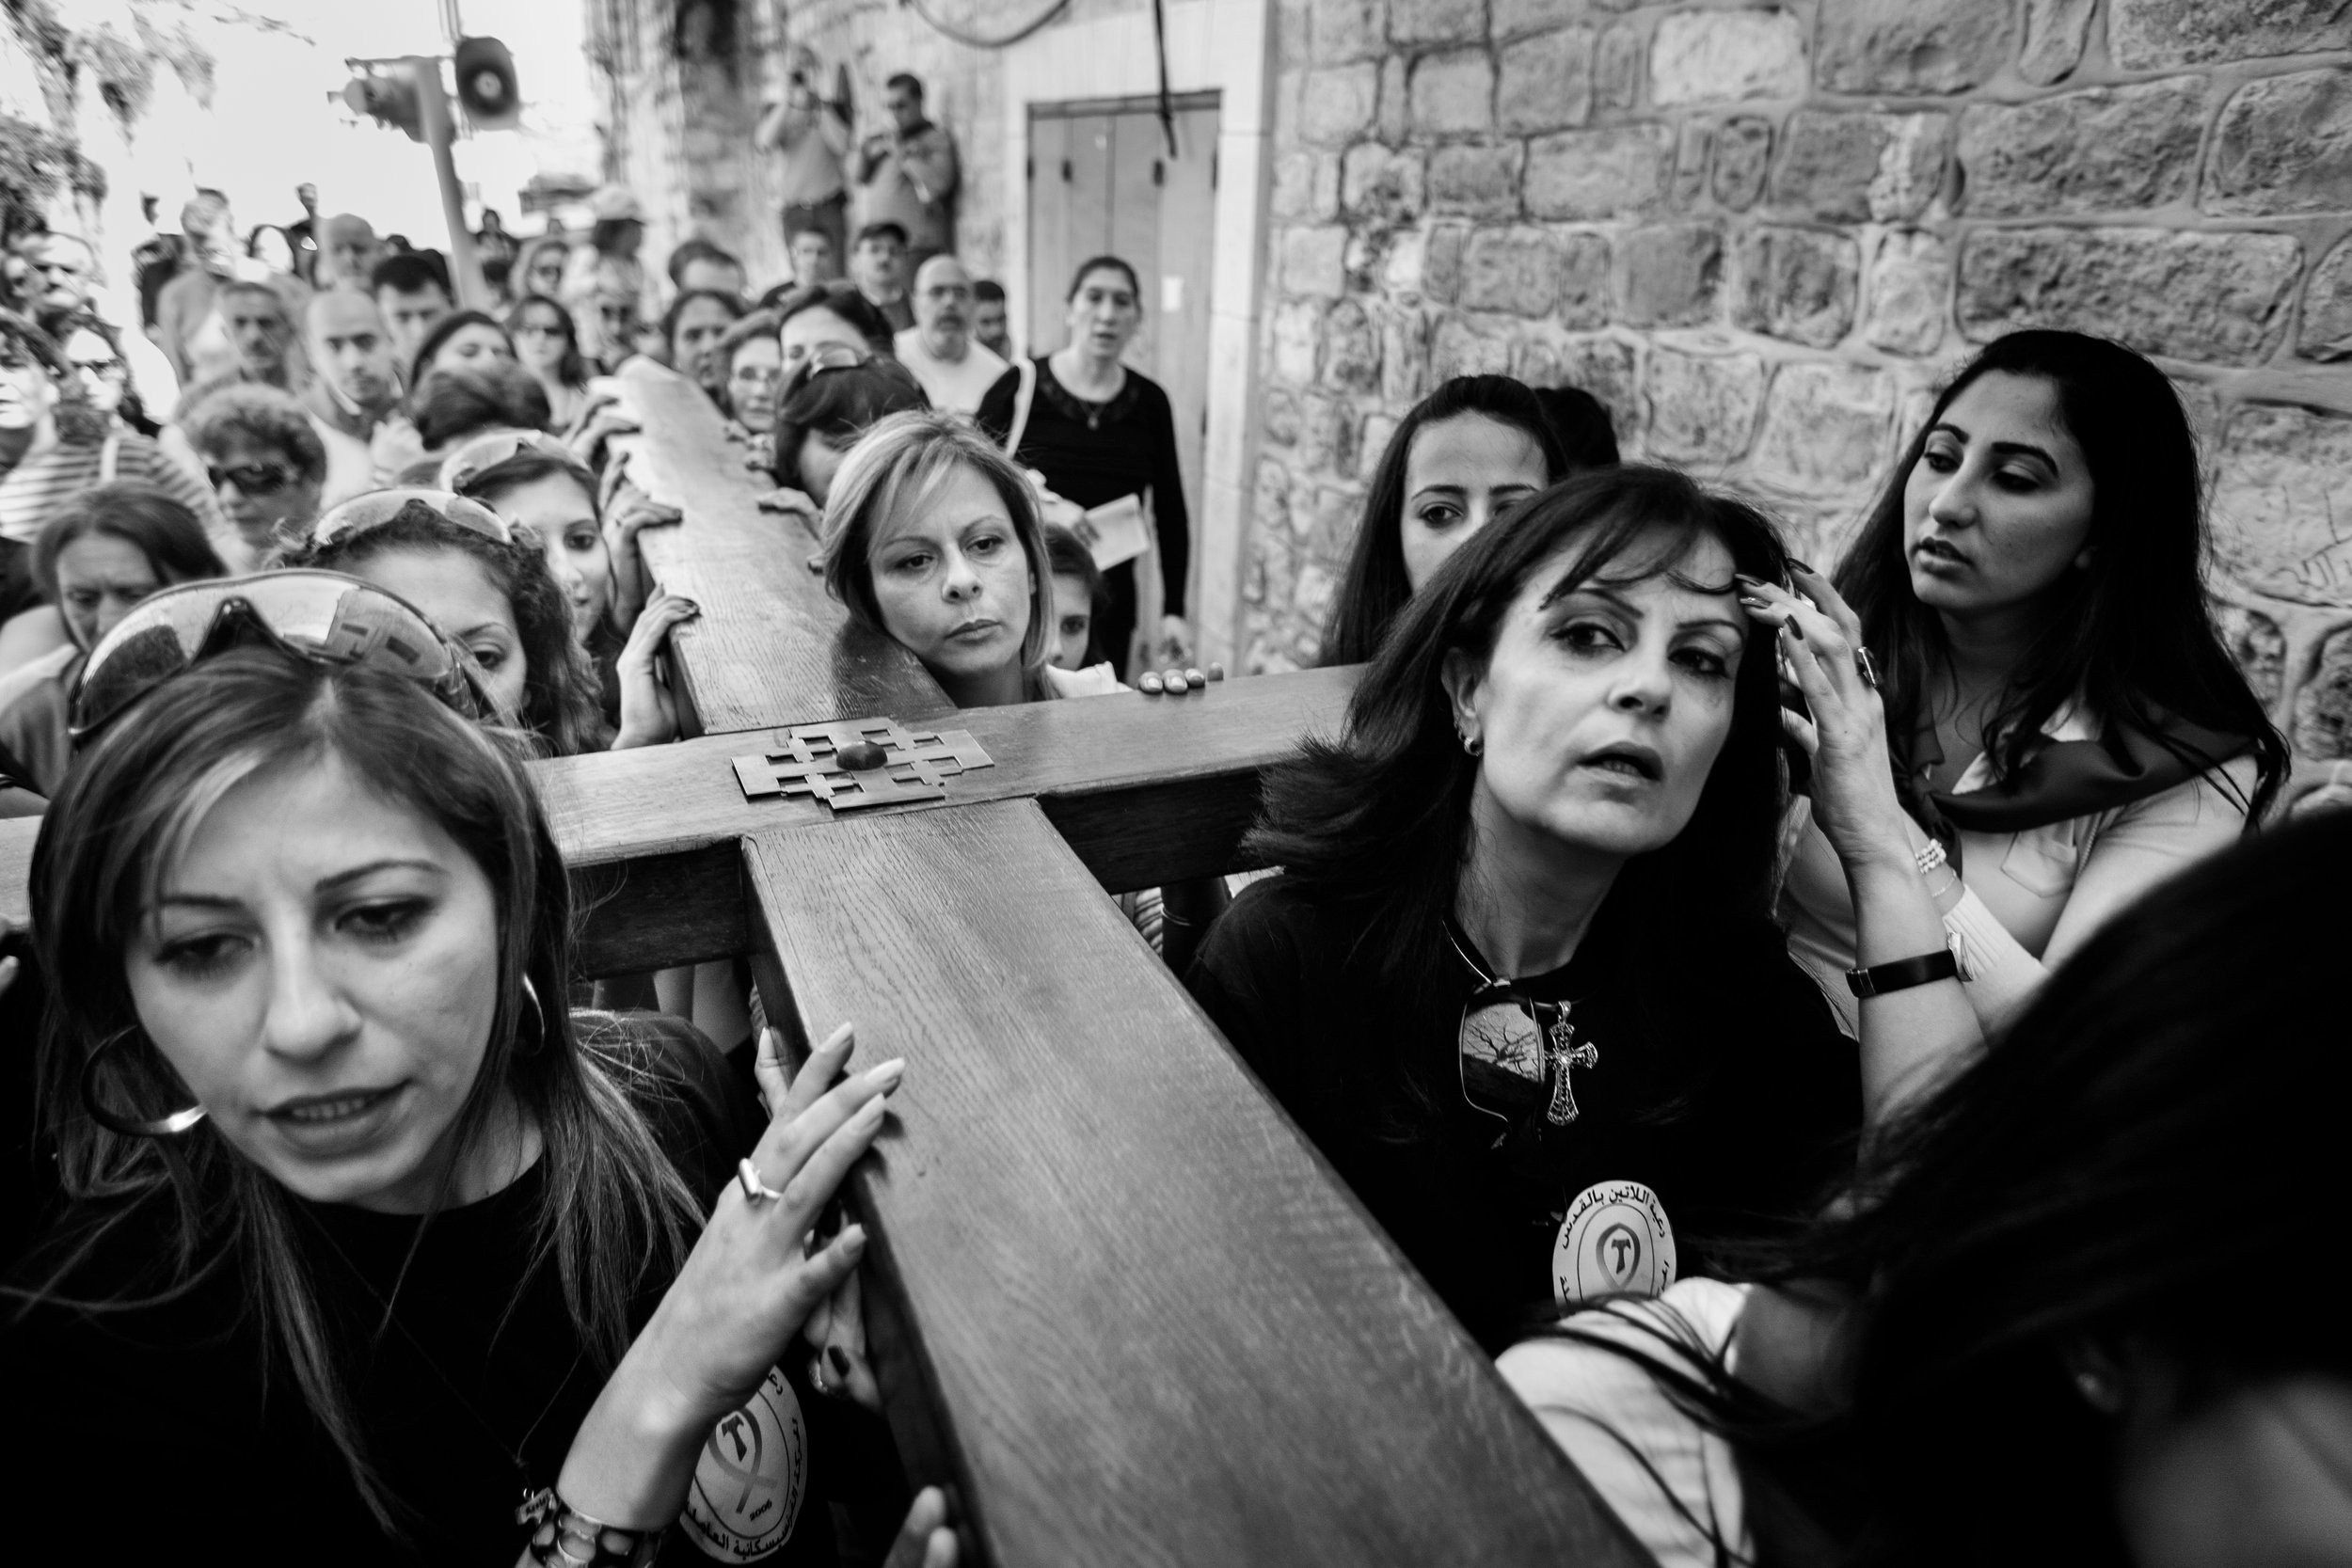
[(1904, 974)]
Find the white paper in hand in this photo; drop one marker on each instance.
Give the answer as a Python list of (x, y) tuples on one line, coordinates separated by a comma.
[(1114, 531)]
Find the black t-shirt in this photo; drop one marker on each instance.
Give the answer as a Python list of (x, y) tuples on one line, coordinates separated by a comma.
[(1682, 1138), (167, 1419)]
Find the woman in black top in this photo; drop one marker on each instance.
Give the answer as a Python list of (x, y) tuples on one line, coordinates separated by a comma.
[(370, 1240), (1520, 981), (1100, 431)]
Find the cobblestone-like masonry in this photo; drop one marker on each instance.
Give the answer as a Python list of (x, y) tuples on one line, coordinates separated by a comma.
[(1760, 235)]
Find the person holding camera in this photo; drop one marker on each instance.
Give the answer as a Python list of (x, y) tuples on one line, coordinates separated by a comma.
[(812, 132)]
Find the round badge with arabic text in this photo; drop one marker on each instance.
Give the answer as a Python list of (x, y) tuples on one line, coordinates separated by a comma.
[(1615, 1241), (751, 1477)]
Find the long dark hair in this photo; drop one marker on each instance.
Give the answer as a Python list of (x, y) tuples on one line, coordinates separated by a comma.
[(562, 705), (157, 524), (2131, 633), (839, 402), (572, 370), (1374, 587), (1376, 825), (612, 1213), (2156, 1132)]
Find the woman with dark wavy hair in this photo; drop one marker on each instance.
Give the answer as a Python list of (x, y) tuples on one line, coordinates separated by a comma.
[(1520, 979), (2051, 1325), (2063, 723), (1475, 445)]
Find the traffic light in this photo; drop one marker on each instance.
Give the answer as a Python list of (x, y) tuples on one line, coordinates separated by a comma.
[(486, 85), (387, 97)]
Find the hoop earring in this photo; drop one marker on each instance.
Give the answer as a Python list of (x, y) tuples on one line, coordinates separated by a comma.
[(538, 1021), (1473, 746), (162, 1127)]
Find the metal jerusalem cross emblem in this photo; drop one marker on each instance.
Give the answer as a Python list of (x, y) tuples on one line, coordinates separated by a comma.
[(1563, 1109), (859, 762)]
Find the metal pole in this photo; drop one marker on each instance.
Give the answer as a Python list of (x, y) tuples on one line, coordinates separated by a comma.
[(465, 269)]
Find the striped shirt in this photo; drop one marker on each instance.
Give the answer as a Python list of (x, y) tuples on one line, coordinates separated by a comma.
[(32, 491)]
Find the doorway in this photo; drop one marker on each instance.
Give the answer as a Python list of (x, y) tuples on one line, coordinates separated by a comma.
[(1101, 181)]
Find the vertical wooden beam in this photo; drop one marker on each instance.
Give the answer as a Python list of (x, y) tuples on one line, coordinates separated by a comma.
[(1128, 1309)]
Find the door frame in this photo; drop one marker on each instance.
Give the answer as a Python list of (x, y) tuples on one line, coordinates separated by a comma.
[(1224, 46)]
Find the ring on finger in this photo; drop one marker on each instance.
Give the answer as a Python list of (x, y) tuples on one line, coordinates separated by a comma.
[(1867, 667), (755, 1191)]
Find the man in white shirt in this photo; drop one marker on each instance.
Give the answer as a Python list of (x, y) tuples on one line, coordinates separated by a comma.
[(956, 373), (353, 396)]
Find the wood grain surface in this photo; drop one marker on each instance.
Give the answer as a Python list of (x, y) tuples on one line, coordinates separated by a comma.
[(770, 646), (1138, 1320)]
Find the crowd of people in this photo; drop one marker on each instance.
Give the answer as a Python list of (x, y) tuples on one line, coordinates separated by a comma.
[(1838, 1037)]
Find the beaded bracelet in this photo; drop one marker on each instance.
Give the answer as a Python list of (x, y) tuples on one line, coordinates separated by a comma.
[(562, 1537)]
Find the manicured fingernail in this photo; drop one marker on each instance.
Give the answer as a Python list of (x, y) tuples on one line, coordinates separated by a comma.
[(853, 1239), (1754, 603), (1796, 565), (1149, 684), (837, 1360), (887, 1073), (1216, 672), (839, 1038), (1794, 630), (1742, 577)]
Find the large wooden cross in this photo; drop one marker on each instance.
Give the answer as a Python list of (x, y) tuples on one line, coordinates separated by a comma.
[(1117, 1302)]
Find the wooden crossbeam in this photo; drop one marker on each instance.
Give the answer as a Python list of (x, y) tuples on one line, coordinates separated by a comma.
[(1134, 1315)]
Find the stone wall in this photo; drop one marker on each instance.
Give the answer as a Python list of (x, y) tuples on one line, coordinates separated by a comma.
[(1761, 234)]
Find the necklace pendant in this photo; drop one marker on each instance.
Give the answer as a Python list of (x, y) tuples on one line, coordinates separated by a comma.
[(1564, 1108)]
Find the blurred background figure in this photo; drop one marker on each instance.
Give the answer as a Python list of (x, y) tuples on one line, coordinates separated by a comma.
[(811, 134), (990, 328)]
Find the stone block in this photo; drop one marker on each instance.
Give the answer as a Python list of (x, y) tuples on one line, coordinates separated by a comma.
[(1306, 186), (1846, 165), (1381, 184), (1459, 348), (2323, 708), (1477, 177), (1367, 260), (1337, 510), (1612, 172), (1290, 108), (1546, 82), (1297, 341), (2258, 645), (1402, 270), (2282, 486), (1337, 103), (1618, 68), (1703, 407), (1453, 94), (1442, 266), (1695, 143), (1606, 368), (2097, 151), (1535, 362), (1371, 443), (1797, 283), (1393, 100), (1351, 348), (1339, 31), (1584, 293), (2326, 329), (1721, 57), (2056, 31), (1909, 46), (1514, 17), (1516, 269), (1327, 435), (1280, 420), (1910, 291), (2283, 144), (1403, 357), (1670, 275), (2151, 35), (1314, 258), (1437, 20), (1744, 155), (1825, 429), (1292, 46), (1270, 497), (2221, 297)]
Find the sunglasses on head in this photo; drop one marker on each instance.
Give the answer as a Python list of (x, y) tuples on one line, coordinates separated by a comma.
[(322, 616), (484, 453), (373, 509), (251, 478)]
